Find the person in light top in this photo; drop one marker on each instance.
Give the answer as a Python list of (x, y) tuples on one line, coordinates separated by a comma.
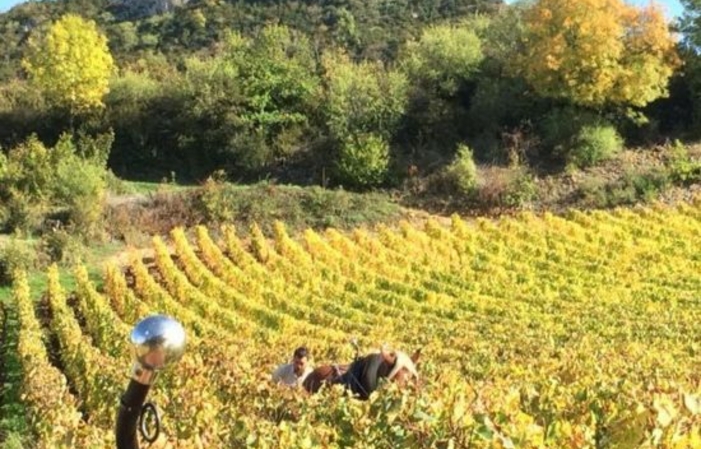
[(293, 373)]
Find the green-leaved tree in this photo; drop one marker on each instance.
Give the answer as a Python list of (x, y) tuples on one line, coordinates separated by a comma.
[(363, 107), (445, 56)]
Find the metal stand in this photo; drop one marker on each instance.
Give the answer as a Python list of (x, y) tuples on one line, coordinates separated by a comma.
[(158, 341)]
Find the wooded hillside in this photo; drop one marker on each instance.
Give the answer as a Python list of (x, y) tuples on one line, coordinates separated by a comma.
[(347, 93)]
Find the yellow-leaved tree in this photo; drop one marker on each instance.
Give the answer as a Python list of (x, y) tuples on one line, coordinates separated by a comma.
[(597, 52), (71, 64)]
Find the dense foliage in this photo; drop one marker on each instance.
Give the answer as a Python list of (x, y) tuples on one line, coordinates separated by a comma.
[(596, 52), (309, 92), (71, 64), (69, 179)]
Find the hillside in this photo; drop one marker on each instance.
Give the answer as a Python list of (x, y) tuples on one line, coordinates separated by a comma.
[(330, 114), (513, 189), (177, 28), (535, 331)]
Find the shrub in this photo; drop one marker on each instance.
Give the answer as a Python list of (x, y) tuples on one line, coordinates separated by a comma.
[(683, 170), (60, 246), (363, 160), (80, 187), (560, 126), (648, 185), (595, 143), (20, 212), (26, 175), (522, 188), (15, 254), (462, 172), (213, 198), (35, 180), (505, 187), (95, 148), (579, 137), (633, 187)]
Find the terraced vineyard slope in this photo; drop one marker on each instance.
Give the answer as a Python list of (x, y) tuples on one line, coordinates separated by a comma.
[(580, 331)]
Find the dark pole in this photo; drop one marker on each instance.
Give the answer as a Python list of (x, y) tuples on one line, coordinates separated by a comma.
[(158, 341)]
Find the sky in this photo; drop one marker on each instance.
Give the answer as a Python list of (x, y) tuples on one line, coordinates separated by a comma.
[(672, 7)]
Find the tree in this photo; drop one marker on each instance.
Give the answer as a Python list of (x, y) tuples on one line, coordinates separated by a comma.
[(362, 98), (363, 107), (363, 160), (277, 72), (597, 52), (690, 23), (445, 56), (442, 66), (277, 76), (71, 64), (690, 81)]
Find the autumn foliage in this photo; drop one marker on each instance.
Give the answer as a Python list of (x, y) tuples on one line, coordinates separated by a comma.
[(71, 64), (597, 52), (539, 331)]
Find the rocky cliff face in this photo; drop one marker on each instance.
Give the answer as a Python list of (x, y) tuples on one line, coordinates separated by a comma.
[(136, 9)]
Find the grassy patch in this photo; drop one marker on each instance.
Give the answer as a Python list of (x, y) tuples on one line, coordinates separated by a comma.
[(13, 423), (631, 188), (37, 281), (122, 187), (93, 260), (297, 207), (220, 202)]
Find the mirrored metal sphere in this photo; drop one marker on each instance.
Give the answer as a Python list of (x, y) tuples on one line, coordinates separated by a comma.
[(158, 341)]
